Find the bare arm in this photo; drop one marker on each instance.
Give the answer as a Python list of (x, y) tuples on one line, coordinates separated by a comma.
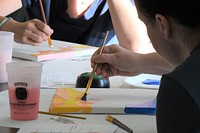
[(77, 8), (31, 32), (9, 6), (153, 63), (130, 31)]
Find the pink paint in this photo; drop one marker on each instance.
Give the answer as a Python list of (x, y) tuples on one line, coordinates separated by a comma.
[(24, 103)]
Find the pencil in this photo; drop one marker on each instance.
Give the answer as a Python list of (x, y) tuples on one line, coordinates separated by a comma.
[(118, 123), (94, 69), (62, 115), (45, 21)]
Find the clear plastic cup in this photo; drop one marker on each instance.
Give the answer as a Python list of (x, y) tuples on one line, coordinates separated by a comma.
[(24, 79), (6, 45)]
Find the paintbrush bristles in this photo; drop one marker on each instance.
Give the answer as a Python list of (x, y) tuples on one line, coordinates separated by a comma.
[(84, 97), (109, 118), (50, 42)]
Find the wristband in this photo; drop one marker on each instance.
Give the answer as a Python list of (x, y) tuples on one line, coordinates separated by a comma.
[(4, 21)]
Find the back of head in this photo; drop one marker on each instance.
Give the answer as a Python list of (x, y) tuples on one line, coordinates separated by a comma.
[(184, 12)]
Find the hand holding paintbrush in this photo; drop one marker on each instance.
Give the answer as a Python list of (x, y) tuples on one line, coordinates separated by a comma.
[(94, 69)]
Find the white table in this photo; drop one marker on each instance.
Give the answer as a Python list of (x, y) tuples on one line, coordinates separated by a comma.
[(139, 123)]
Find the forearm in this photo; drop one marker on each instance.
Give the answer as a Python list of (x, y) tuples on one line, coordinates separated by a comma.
[(154, 64), (9, 6), (130, 31)]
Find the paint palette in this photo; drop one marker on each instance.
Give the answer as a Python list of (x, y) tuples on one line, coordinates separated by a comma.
[(144, 81)]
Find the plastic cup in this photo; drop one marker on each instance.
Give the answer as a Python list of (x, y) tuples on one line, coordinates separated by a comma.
[(24, 79), (6, 45)]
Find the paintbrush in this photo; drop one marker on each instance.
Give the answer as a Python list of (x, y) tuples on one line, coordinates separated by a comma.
[(94, 69), (118, 123), (44, 18), (62, 115)]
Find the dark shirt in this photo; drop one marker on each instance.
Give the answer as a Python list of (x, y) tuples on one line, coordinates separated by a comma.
[(178, 99), (89, 29), (30, 10)]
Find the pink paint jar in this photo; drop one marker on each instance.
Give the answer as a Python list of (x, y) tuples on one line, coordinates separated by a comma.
[(24, 79)]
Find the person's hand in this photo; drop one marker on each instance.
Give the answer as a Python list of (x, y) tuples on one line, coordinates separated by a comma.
[(114, 61), (31, 32)]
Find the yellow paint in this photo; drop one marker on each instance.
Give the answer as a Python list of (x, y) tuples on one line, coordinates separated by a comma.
[(68, 100)]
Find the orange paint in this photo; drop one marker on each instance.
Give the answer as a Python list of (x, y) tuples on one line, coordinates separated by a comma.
[(68, 100)]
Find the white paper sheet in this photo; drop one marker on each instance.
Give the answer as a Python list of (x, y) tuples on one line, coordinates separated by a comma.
[(63, 72), (66, 128)]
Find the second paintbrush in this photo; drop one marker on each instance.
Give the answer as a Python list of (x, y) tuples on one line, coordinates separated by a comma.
[(94, 69), (44, 18), (118, 123)]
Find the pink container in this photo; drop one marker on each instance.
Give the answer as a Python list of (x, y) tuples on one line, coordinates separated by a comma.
[(24, 89)]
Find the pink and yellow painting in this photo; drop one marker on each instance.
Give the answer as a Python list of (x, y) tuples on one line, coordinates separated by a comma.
[(68, 100), (119, 101)]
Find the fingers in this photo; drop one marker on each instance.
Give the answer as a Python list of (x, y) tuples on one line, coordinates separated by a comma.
[(39, 30), (43, 28), (102, 71), (30, 38), (31, 32), (106, 49), (106, 71), (34, 37), (107, 55), (103, 68)]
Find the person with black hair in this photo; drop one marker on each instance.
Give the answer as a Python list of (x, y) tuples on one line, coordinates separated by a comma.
[(174, 30)]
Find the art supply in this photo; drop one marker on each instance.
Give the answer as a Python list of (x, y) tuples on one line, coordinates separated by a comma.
[(62, 115), (44, 18), (24, 89), (6, 46), (144, 81), (94, 69), (97, 82), (64, 120), (151, 82), (120, 101), (61, 50), (118, 123)]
